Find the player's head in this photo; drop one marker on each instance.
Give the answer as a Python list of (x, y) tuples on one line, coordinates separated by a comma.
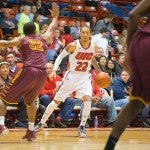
[(29, 29), (85, 33)]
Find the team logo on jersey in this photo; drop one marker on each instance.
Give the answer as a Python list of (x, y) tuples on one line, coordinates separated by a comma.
[(36, 45), (84, 56)]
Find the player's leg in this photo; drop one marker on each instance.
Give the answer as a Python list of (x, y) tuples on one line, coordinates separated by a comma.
[(31, 112), (3, 129), (123, 119), (59, 97), (49, 110), (85, 114)]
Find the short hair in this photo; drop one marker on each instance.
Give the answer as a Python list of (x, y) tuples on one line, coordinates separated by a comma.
[(4, 63), (85, 27), (67, 29), (29, 28), (11, 52), (104, 30), (109, 15)]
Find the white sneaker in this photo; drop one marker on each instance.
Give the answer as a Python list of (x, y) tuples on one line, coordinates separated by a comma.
[(81, 132)]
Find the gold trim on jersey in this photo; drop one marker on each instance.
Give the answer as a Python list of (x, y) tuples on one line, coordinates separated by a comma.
[(7, 101), (12, 81)]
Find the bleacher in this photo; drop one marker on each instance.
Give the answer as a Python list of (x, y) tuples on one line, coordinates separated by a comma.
[(75, 119)]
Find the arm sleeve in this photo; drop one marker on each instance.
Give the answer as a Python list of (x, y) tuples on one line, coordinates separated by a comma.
[(63, 54)]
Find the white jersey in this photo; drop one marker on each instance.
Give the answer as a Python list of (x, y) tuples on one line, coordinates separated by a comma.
[(80, 60), (77, 78)]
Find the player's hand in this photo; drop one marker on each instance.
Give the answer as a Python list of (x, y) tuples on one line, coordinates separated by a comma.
[(55, 10)]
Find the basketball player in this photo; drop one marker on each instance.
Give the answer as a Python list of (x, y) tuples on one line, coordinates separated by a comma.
[(81, 55), (139, 59), (29, 81)]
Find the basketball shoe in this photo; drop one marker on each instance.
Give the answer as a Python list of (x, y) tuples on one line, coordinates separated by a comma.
[(81, 132), (3, 130), (38, 127), (29, 136)]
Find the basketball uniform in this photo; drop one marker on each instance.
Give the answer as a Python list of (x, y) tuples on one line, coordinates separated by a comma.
[(78, 77), (29, 80), (139, 57)]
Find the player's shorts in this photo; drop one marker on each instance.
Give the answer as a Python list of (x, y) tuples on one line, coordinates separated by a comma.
[(26, 83), (74, 82), (139, 58)]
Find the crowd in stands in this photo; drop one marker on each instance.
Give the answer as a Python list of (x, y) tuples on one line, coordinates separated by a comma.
[(116, 95)]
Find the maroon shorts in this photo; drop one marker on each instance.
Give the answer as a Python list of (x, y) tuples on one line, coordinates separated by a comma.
[(139, 58), (26, 83)]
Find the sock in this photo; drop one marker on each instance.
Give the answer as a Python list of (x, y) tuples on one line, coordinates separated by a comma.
[(111, 143), (49, 110), (85, 112), (31, 126), (2, 120)]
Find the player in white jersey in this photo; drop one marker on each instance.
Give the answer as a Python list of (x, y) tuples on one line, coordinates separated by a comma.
[(81, 56)]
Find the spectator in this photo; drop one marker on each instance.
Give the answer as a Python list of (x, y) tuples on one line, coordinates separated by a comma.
[(13, 68), (33, 11), (120, 62), (93, 22), (4, 71), (44, 27), (1, 14), (102, 63), (112, 70), (56, 46), (23, 19), (7, 23), (76, 29), (98, 54), (121, 88), (106, 22), (42, 8), (5, 4), (122, 45), (101, 41), (36, 20), (17, 17)]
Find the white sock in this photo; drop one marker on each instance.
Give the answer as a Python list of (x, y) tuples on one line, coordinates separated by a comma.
[(49, 110), (31, 126), (85, 112), (2, 120)]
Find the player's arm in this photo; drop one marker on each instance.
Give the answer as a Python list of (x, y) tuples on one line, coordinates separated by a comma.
[(94, 62), (14, 42), (54, 13), (66, 51), (135, 15)]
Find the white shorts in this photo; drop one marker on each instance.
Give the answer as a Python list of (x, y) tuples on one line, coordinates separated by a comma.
[(74, 82)]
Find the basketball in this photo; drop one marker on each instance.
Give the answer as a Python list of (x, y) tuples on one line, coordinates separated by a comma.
[(102, 80)]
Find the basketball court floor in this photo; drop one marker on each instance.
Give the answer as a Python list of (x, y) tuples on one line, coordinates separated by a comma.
[(67, 139)]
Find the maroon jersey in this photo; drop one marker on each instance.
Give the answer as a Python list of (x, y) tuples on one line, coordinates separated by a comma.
[(29, 80), (33, 51), (139, 58)]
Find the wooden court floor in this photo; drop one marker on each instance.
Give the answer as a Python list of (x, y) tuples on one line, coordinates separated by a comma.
[(67, 139)]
